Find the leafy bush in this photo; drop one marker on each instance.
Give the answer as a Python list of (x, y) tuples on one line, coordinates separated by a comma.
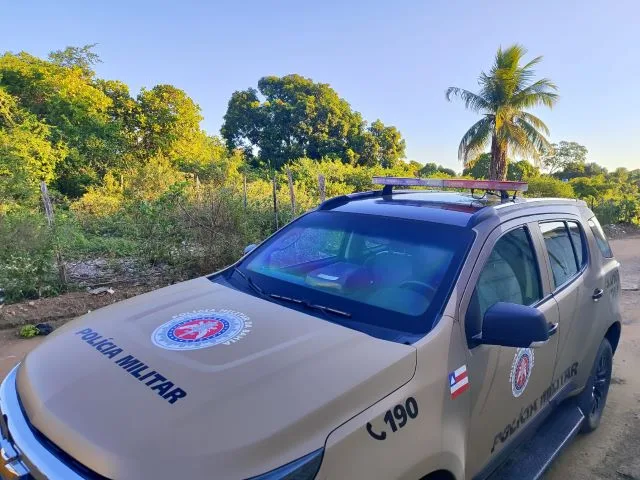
[(545, 186), (101, 201), (26, 257), (29, 331), (622, 210)]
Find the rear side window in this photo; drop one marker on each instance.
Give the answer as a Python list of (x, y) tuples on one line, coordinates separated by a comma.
[(562, 257), (578, 242), (510, 275), (601, 239)]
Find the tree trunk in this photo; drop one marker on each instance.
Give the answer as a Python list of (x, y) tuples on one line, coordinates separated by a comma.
[(498, 168)]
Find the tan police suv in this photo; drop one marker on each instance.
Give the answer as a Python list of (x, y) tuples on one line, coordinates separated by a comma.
[(384, 335)]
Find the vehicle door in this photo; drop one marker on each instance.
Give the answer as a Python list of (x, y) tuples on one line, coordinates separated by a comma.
[(565, 257), (506, 383), (585, 284)]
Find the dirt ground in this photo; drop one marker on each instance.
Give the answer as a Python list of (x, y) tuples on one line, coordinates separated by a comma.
[(63, 307), (611, 452)]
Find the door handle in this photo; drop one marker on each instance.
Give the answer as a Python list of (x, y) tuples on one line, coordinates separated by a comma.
[(597, 294), (553, 329)]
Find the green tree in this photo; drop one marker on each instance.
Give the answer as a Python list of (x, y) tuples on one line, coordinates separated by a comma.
[(63, 97), (430, 169), (390, 143), (506, 92), (82, 57), (27, 154), (478, 167), (579, 169), (522, 170), (516, 171), (168, 123), (299, 118), (122, 131), (561, 155)]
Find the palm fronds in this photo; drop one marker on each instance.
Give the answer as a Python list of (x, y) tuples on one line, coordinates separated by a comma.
[(506, 92)]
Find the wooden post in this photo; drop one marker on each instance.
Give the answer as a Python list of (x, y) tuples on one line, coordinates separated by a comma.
[(291, 193), (198, 189), (244, 183), (321, 188), (275, 201), (48, 212), (46, 201)]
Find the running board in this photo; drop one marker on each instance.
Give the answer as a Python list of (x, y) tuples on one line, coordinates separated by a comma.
[(531, 459)]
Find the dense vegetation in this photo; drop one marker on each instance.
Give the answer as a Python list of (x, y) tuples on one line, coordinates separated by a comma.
[(136, 176)]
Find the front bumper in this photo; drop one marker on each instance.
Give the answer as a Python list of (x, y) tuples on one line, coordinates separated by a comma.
[(22, 455)]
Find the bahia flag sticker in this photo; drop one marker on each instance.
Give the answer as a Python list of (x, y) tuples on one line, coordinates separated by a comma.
[(458, 382)]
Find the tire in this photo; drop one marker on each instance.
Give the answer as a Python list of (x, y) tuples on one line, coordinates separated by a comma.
[(594, 397)]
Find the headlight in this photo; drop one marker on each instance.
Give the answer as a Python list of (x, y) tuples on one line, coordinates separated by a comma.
[(304, 468)]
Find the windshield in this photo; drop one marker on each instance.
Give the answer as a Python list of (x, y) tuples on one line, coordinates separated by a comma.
[(389, 276)]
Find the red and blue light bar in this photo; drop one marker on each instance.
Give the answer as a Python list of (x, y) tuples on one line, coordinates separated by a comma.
[(489, 185)]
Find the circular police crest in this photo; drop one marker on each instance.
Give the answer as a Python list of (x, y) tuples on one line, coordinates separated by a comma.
[(201, 329), (521, 371)]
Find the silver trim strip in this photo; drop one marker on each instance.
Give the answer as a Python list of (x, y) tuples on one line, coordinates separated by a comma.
[(30, 450)]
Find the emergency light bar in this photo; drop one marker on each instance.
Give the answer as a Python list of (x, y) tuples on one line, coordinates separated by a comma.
[(489, 185)]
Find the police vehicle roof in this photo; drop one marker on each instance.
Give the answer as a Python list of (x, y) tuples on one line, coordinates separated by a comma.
[(454, 208)]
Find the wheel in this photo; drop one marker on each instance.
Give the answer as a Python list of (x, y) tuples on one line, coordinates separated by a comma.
[(594, 397)]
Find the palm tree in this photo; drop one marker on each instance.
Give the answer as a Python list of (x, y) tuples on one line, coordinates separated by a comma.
[(505, 93)]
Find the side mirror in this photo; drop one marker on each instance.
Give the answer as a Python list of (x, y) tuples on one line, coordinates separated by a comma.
[(249, 248), (513, 325)]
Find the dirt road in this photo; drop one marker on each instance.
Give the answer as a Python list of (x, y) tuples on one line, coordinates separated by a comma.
[(612, 451)]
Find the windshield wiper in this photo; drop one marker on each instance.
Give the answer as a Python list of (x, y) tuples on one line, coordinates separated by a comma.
[(312, 306), (283, 298), (254, 286)]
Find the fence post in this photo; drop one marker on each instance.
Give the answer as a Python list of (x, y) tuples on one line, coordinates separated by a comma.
[(48, 212), (244, 189), (198, 189), (321, 188), (291, 193), (275, 201)]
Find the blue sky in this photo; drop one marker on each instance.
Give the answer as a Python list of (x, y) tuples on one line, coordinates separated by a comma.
[(389, 60)]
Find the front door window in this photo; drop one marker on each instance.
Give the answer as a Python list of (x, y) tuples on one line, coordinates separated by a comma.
[(510, 275)]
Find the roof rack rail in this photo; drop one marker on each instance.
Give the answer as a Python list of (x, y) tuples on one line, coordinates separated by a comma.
[(504, 187)]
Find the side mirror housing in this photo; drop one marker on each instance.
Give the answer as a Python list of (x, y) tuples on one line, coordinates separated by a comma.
[(249, 248), (513, 325)]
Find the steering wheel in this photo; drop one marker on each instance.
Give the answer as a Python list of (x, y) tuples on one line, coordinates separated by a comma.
[(418, 287)]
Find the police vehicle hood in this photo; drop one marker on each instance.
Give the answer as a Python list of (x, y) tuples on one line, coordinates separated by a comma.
[(271, 391)]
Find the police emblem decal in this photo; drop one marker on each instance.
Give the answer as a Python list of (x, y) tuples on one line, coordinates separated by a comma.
[(521, 370), (201, 329)]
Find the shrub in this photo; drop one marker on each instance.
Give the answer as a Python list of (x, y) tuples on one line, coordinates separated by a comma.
[(617, 210), (26, 257), (29, 331), (545, 186), (101, 201)]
